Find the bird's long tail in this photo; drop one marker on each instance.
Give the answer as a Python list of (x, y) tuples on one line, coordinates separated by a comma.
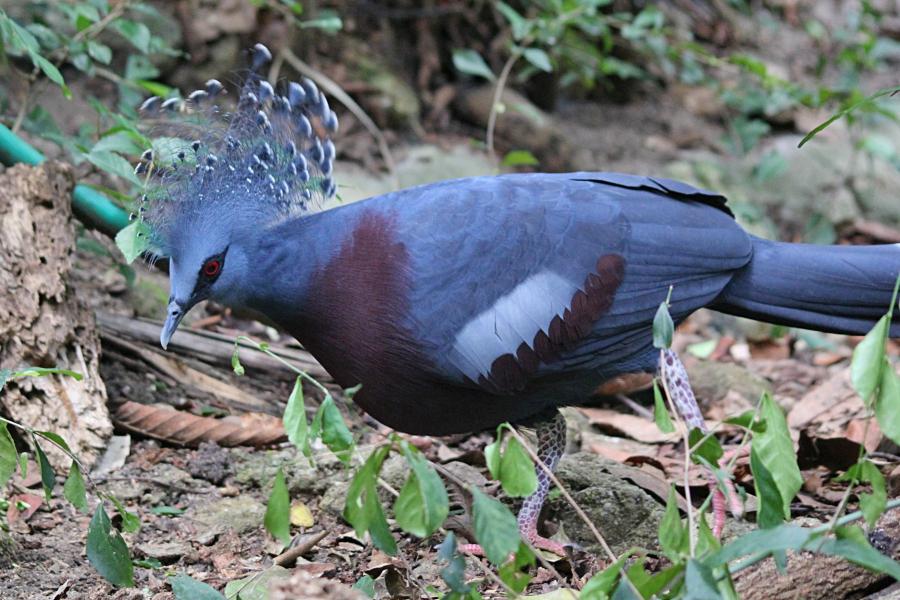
[(840, 289)]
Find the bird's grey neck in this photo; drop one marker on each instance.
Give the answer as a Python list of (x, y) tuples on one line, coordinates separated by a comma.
[(283, 262)]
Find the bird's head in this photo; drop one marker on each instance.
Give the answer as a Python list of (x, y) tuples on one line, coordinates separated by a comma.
[(215, 180)]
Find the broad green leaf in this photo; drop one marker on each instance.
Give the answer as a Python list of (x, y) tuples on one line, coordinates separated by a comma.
[(52, 73), (131, 523), (366, 585), (121, 141), (335, 434), (673, 535), (114, 164), (868, 361), (7, 455), (328, 23), (137, 34), (99, 52), (887, 405), (55, 438), (660, 412), (130, 243), (495, 527), (278, 510), (771, 505), (422, 504), (517, 472), (256, 587), (188, 588), (775, 451), (518, 158), (705, 446), (663, 327), (515, 573), (863, 555), (167, 511), (48, 477), (601, 585), (362, 508), (107, 552), (871, 504), (748, 420), (699, 582), (538, 58), (703, 349), (74, 490), (471, 63), (454, 574), (520, 26), (5, 374), (492, 456), (295, 424)]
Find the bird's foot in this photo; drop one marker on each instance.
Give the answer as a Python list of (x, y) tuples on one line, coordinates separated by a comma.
[(537, 541)]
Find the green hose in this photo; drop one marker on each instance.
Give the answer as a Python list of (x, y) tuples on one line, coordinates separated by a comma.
[(90, 206)]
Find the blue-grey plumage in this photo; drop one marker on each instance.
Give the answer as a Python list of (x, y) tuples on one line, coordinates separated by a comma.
[(466, 303)]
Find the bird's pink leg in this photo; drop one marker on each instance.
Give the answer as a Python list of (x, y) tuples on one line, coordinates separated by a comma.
[(551, 438), (682, 396)]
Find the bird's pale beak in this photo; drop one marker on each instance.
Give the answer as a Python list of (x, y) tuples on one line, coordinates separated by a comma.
[(175, 313)]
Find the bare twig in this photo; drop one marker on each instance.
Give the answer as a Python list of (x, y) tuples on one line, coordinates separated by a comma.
[(495, 101), (344, 98), (290, 556)]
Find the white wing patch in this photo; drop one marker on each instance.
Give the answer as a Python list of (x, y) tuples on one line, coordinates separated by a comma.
[(514, 318)]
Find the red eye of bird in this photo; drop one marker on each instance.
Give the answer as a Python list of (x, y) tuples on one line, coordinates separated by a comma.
[(211, 268)]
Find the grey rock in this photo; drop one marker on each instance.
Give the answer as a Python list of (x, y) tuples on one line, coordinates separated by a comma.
[(624, 514), (166, 552), (712, 380), (240, 514)]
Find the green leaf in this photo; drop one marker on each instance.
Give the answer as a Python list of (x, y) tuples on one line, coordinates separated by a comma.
[(114, 164), (514, 573), (362, 508), (699, 582), (673, 535), (871, 504), (492, 455), (327, 23), (887, 405), (99, 52), (771, 505), (137, 34), (44, 371), (278, 510), (48, 477), (52, 73), (167, 511), (295, 424), (846, 111), (868, 361), (520, 26), (495, 527), (74, 490), (703, 349), (538, 58), (454, 574), (471, 63), (130, 521), (5, 374), (709, 449), (518, 158), (238, 368), (775, 451), (130, 243), (188, 588), (747, 420), (660, 412), (107, 552), (663, 327), (366, 585), (517, 472), (335, 434), (601, 585), (55, 438), (7, 455), (422, 504)]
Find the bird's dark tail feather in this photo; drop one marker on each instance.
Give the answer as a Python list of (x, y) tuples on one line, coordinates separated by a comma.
[(840, 289)]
